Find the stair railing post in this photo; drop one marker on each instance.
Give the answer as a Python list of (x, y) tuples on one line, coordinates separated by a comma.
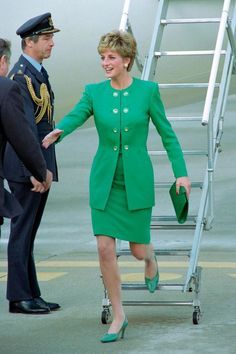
[(124, 18), (215, 63)]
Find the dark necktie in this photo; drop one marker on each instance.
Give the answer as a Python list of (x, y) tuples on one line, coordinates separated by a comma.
[(44, 73)]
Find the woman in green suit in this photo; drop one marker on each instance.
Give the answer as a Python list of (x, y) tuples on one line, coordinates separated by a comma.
[(121, 179)]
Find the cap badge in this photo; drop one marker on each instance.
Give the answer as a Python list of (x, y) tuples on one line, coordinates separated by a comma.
[(50, 22)]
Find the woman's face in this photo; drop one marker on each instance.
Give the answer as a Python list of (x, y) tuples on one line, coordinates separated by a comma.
[(113, 64)]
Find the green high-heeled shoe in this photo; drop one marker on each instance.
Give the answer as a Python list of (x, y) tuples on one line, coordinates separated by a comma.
[(113, 337), (152, 283)]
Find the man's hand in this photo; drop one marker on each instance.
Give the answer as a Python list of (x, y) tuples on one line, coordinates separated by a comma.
[(39, 187), (48, 182)]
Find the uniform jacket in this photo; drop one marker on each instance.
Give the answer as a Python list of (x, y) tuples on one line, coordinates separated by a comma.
[(122, 120), (15, 129), (14, 169)]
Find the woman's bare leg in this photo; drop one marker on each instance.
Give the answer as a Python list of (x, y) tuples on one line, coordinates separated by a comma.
[(146, 253), (111, 277)]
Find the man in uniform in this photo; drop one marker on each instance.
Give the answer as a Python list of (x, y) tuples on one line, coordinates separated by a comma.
[(22, 285), (15, 129)]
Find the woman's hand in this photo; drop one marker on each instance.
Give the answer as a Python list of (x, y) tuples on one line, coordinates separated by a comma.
[(51, 138), (184, 182)]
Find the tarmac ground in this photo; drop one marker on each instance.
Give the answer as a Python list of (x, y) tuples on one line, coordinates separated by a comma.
[(68, 270)]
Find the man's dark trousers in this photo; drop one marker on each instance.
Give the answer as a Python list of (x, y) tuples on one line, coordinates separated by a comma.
[(22, 279)]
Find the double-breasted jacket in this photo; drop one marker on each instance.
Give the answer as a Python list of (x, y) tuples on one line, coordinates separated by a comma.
[(15, 129), (39, 117), (122, 120)]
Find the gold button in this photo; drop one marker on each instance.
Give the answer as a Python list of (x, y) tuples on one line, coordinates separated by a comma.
[(115, 110), (126, 129), (125, 110), (126, 93), (115, 94), (126, 147), (115, 148), (115, 130)]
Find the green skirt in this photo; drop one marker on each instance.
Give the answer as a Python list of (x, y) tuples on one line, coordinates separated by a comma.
[(116, 220)]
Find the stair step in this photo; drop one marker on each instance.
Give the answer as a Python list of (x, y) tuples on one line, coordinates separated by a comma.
[(169, 184), (187, 85), (186, 52), (169, 222), (171, 218), (173, 251), (131, 286), (185, 119), (160, 226), (158, 303), (177, 21), (185, 152), (161, 252)]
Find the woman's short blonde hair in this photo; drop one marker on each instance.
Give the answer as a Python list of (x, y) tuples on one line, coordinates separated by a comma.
[(121, 42)]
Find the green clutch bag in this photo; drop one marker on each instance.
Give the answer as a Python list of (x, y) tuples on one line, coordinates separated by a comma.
[(180, 203)]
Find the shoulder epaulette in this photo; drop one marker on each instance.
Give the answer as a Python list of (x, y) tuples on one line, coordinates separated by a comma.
[(18, 70)]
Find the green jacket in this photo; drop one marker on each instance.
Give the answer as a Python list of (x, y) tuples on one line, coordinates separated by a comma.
[(122, 121)]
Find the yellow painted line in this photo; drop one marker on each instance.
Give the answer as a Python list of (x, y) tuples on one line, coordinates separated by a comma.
[(92, 264), (42, 276), (129, 264), (69, 264), (3, 276), (218, 265), (66, 264), (232, 275), (140, 276), (47, 276), (133, 264)]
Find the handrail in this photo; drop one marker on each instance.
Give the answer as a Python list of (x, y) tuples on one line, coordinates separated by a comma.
[(215, 63), (124, 18), (126, 26), (231, 38)]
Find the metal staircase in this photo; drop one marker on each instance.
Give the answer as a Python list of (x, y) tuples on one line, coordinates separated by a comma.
[(211, 120)]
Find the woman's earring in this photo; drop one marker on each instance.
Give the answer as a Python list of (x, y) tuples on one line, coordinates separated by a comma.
[(126, 66)]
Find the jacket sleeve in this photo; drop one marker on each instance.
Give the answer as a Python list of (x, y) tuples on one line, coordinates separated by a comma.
[(20, 135), (168, 136), (77, 116)]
